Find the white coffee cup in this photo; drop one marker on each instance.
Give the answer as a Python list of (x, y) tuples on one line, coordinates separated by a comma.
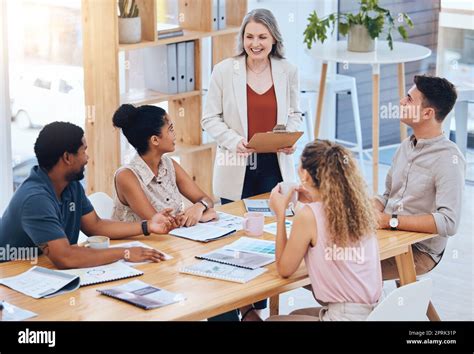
[(98, 242), (285, 188)]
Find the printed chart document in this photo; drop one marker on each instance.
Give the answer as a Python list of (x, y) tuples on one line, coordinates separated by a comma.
[(262, 206), (227, 221), (272, 227), (13, 313), (104, 273), (222, 271), (39, 282), (237, 258), (202, 232), (142, 295), (138, 244), (252, 245)]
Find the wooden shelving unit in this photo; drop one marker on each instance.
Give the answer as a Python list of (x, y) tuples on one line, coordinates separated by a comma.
[(102, 93)]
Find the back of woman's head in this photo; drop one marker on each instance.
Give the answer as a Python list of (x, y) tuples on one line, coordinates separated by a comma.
[(343, 191), (139, 124)]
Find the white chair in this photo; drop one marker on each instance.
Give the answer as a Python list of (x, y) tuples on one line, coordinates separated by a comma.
[(460, 111), (103, 206), (406, 303), (337, 84)]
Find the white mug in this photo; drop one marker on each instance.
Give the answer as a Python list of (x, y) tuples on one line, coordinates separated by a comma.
[(285, 188), (98, 242)]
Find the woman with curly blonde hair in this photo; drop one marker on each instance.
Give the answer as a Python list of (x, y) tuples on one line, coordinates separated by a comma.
[(335, 234)]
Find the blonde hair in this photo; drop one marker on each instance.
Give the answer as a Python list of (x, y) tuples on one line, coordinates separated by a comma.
[(343, 191)]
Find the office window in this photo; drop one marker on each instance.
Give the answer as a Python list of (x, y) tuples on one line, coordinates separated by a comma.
[(45, 69)]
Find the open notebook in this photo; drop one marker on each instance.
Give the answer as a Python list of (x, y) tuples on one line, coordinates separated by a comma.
[(222, 271), (237, 258), (104, 273)]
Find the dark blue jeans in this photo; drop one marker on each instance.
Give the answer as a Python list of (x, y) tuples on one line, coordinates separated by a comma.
[(259, 180)]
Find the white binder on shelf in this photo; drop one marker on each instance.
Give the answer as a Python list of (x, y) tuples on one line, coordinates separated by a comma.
[(222, 14), (215, 15), (160, 68), (190, 85), (181, 64)]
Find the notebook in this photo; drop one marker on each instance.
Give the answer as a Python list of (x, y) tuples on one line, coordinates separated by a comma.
[(222, 271), (237, 258), (262, 206), (39, 282), (104, 273), (202, 232), (142, 295)]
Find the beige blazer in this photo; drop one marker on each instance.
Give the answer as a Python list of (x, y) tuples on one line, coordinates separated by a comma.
[(225, 120)]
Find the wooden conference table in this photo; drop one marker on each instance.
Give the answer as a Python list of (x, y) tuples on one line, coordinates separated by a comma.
[(205, 297)]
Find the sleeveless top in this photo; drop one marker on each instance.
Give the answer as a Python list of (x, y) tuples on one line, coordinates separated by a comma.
[(162, 190), (261, 111), (343, 274)]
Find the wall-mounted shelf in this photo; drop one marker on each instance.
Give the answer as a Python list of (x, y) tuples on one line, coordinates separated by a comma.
[(102, 83)]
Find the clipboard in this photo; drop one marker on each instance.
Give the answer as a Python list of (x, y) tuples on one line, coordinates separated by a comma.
[(272, 141)]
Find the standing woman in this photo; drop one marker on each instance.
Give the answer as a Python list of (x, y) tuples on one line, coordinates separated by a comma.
[(249, 94)]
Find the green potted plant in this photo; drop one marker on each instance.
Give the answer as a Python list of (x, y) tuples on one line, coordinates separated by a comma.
[(362, 28), (130, 26)]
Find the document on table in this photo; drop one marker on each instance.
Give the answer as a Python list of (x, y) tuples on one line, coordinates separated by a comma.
[(138, 244), (262, 206), (39, 282), (252, 245), (202, 232), (272, 227), (227, 221), (13, 313)]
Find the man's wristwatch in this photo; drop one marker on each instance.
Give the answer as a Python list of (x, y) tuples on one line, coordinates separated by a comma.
[(206, 205), (145, 228), (393, 222)]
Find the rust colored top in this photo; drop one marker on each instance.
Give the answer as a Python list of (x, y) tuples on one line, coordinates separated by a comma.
[(261, 111)]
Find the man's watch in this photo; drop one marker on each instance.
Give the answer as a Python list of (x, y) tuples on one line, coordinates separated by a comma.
[(145, 228), (206, 205), (393, 222)]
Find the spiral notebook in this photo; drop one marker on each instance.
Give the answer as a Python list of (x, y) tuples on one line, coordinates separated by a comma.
[(237, 258), (142, 295), (104, 273), (222, 271)]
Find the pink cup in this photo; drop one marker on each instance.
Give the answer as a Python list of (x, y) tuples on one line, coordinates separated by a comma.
[(253, 224)]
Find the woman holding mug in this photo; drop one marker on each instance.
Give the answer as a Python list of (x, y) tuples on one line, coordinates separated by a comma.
[(249, 94)]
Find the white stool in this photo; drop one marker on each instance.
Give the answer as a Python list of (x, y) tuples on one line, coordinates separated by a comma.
[(465, 95), (335, 85)]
